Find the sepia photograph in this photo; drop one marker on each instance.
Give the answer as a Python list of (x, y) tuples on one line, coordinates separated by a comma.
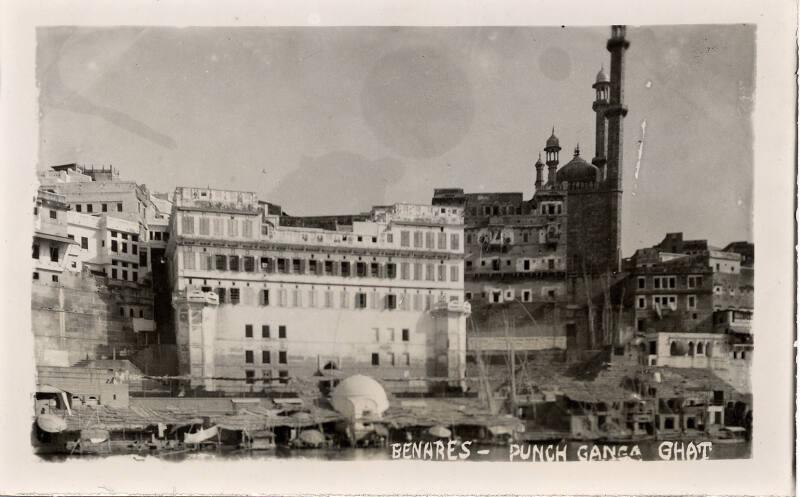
[(441, 244)]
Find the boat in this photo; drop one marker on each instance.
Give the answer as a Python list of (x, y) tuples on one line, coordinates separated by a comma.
[(729, 435), (51, 423), (258, 440), (201, 435)]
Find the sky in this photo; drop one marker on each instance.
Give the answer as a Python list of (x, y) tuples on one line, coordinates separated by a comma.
[(328, 120)]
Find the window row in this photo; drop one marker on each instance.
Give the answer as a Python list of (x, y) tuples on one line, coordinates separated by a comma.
[(268, 376), (161, 236), (265, 331), (668, 282), (660, 302), (122, 247), (549, 264), (90, 207), (54, 252), (391, 359), (389, 335), (53, 278), (408, 271), (266, 357), (295, 297), (429, 240), (217, 226)]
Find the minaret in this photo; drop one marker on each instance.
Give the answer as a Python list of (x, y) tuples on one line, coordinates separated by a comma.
[(539, 167), (602, 86), (615, 113), (551, 150)]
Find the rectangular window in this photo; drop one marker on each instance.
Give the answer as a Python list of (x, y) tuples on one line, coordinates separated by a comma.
[(84, 243), (641, 282), (361, 269), (282, 357), (233, 227), (641, 302), (345, 268), (188, 260), (374, 270), (187, 225), (266, 357), (328, 267), (248, 356), (283, 377), (455, 242), (221, 295), (454, 273), (429, 272), (233, 262), (695, 281), (417, 239), (361, 300), (205, 226), (247, 229), (89, 208), (35, 250), (220, 262), (119, 206), (391, 301), (691, 302), (264, 331), (124, 247), (429, 239), (54, 254), (78, 208), (296, 266), (124, 274), (55, 278), (264, 297), (249, 263), (35, 276), (376, 359), (391, 270), (283, 265), (134, 249), (441, 240), (248, 331), (217, 226), (404, 271), (329, 298), (281, 331), (104, 207), (404, 239), (406, 334), (114, 246), (234, 296), (417, 271), (249, 376)]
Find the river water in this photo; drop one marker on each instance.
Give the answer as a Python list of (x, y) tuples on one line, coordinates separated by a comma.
[(571, 451)]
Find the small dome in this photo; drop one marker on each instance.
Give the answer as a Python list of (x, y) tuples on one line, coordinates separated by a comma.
[(602, 77), (552, 142), (577, 171), (359, 394), (539, 161)]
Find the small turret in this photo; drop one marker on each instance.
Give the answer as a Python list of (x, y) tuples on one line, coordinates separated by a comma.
[(551, 150)]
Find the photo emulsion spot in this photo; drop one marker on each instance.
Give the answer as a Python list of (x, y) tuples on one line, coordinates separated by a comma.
[(518, 244)]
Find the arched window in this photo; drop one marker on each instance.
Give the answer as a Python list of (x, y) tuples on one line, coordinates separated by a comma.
[(673, 348), (699, 348), (709, 345), (691, 348)]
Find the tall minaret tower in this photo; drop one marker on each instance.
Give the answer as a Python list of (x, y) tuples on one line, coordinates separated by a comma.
[(551, 150), (539, 167), (615, 113), (602, 87)]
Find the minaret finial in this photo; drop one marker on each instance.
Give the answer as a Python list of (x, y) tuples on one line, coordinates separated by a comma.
[(577, 149)]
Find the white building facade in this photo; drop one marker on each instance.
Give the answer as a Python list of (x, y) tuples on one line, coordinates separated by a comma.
[(258, 303)]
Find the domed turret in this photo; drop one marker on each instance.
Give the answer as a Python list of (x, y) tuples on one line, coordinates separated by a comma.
[(602, 77), (539, 168), (578, 173), (552, 142)]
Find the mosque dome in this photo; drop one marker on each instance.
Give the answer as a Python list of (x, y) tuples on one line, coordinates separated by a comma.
[(359, 395), (577, 171)]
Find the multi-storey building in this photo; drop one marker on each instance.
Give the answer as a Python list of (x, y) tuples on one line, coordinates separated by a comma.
[(258, 302), (544, 253), (693, 305)]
